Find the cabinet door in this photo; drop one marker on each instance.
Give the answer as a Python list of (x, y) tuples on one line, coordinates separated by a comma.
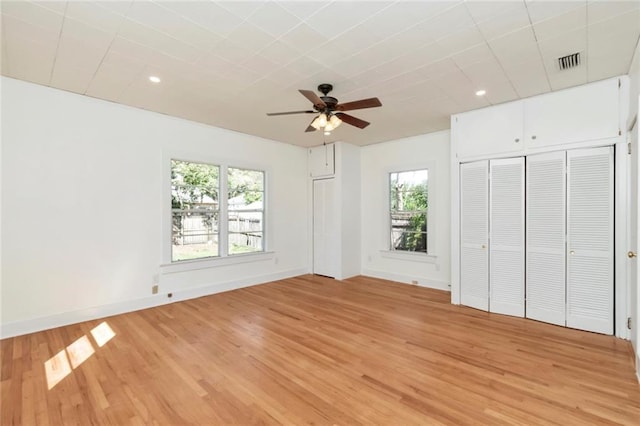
[(490, 131), (546, 224), (474, 234), (583, 113), (506, 256), (325, 234), (590, 239), (321, 161)]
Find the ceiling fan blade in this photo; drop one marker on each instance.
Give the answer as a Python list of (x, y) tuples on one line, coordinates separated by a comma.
[(310, 128), (350, 119), (291, 112), (361, 104), (315, 99)]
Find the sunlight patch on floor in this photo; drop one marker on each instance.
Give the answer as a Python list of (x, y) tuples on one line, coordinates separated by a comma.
[(102, 333), (57, 367)]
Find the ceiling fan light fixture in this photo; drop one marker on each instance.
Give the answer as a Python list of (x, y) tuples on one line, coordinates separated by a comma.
[(335, 121), (322, 120), (316, 123)]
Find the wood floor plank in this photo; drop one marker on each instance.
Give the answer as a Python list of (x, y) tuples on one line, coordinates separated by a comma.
[(312, 350)]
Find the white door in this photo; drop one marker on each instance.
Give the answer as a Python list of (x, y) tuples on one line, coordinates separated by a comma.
[(324, 228), (506, 256), (590, 239), (546, 225), (474, 234)]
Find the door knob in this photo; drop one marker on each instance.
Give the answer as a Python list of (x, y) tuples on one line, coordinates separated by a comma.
[(572, 252), (484, 246), (631, 254)]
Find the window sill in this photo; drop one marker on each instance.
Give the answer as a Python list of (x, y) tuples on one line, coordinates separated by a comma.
[(409, 256), (214, 262)]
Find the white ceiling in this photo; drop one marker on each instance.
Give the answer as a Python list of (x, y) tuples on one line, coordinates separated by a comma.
[(227, 63)]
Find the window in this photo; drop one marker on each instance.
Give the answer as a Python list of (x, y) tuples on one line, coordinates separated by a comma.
[(408, 210), (245, 205), (202, 227)]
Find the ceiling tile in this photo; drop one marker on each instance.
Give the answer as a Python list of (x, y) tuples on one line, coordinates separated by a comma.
[(71, 78), (166, 21), (602, 10), (303, 9), (340, 16), (242, 8), (571, 42), (528, 78), (517, 46), (120, 7), (207, 14), (86, 34), (55, 6), (273, 19), (483, 72), (31, 61), (482, 11), (94, 15), (512, 20), (304, 37), (461, 40), (330, 53), (213, 64), (161, 42), (251, 37), (34, 14), (16, 30), (436, 70), (558, 25), (539, 10), (279, 52), (479, 53), (626, 23), (449, 22)]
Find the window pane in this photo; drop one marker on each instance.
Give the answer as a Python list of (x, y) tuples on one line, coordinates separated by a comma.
[(194, 184), (409, 203), (194, 235), (409, 241), (245, 210)]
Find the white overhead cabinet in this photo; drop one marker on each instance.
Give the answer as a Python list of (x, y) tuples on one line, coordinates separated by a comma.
[(579, 114), (496, 130), (322, 161)]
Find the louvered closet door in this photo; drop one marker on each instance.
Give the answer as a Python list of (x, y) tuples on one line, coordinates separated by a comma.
[(474, 234), (506, 257), (590, 239), (545, 254)]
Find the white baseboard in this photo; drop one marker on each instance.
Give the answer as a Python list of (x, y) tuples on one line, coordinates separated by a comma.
[(422, 282), (18, 328)]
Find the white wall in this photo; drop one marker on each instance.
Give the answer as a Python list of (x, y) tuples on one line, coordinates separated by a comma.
[(634, 105), (377, 161), (84, 207), (348, 186)]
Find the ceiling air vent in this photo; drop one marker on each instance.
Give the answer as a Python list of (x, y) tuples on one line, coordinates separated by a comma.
[(569, 61)]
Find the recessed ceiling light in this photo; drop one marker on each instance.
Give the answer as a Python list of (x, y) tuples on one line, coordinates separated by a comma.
[(481, 92), (154, 79)]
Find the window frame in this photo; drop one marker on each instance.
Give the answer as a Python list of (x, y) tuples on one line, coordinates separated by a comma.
[(168, 265), (390, 251)]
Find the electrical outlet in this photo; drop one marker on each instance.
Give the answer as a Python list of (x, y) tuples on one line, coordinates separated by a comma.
[(414, 282), (154, 289), (170, 295)]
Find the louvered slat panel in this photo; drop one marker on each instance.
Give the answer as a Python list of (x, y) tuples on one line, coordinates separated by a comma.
[(545, 273), (474, 223), (506, 256), (590, 239)]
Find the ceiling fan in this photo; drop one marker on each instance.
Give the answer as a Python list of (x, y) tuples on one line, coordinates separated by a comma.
[(331, 113)]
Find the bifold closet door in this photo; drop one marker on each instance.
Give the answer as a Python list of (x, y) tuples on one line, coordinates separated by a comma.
[(506, 254), (546, 225), (474, 234), (590, 239)]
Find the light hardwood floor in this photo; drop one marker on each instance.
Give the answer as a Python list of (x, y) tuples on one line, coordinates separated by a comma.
[(311, 350)]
